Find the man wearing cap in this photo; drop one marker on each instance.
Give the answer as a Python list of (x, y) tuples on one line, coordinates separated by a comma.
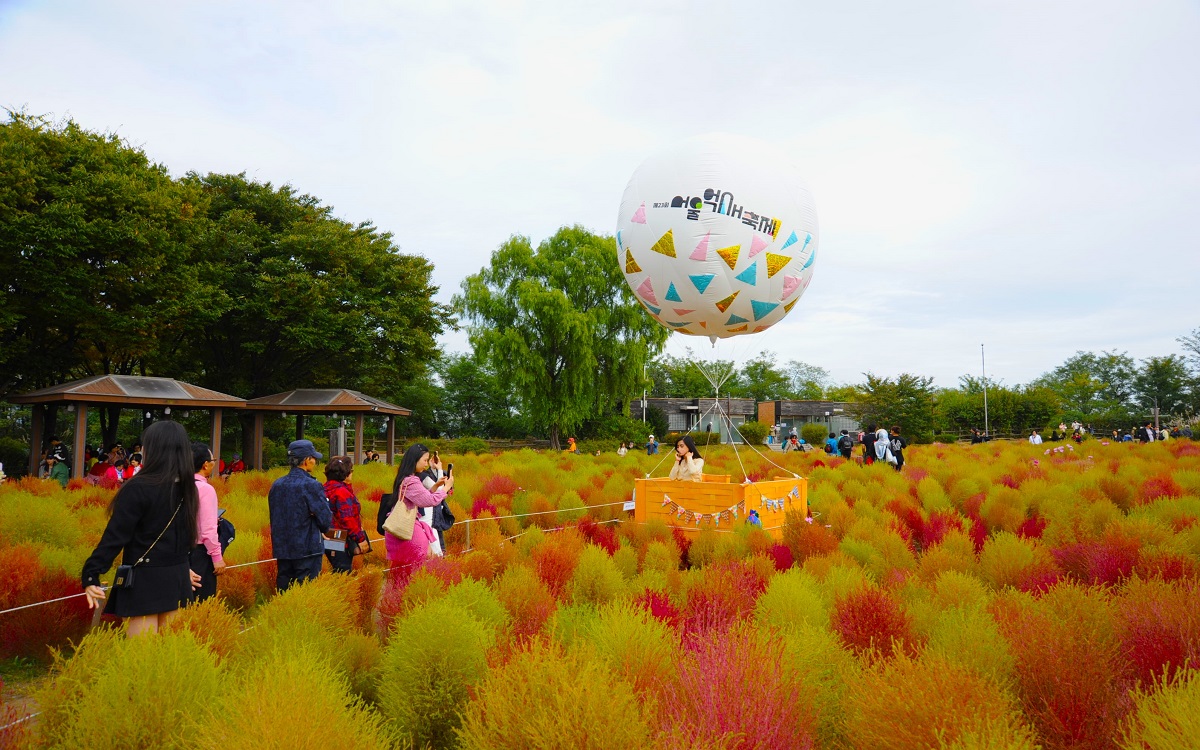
[(58, 467), (300, 514)]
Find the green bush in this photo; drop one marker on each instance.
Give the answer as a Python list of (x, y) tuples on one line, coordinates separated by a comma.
[(814, 434), (435, 656), (119, 692), (754, 433), (467, 445), (945, 437), (14, 454)]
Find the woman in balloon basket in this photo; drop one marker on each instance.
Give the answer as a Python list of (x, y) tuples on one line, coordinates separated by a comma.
[(689, 466)]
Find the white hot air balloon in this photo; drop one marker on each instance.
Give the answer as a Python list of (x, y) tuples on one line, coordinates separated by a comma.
[(717, 236)]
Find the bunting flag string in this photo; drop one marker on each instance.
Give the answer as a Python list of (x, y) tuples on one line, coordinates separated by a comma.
[(728, 515)]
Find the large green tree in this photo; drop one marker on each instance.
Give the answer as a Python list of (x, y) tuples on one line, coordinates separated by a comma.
[(305, 299), (473, 402), (1097, 389), (906, 400), (560, 327), (1164, 382)]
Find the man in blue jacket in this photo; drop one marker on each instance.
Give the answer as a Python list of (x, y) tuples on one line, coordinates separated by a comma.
[(299, 516)]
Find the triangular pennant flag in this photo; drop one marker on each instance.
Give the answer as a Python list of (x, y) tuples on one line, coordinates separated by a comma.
[(730, 255), (775, 263), (750, 275), (735, 319), (792, 240), (790, 284), (631, 265), (672, 295), (665, 244), (762, 309), (788, 307), (739, 329), (757, 245), (681, 311), (647, 291), (701, 251), (702, 281), (724, 304), (812, 256), (639, 216)]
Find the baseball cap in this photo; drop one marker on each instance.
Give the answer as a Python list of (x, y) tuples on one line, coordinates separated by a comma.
[(303, 449)]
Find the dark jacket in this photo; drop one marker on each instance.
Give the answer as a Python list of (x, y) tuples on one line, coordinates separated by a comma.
[(299, 513), (141, 512)]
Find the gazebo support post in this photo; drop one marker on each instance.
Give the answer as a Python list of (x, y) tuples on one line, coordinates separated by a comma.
[(37, 438), (358, 439), (256, 441), (299, 426), (78, 464), (391, 439), (215, 445)]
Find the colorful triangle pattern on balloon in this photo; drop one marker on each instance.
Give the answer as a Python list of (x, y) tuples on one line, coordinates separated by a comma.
[(775, 263), (701, 281), (735, 319), (647, 291), (788, 307), (757, 329), (750, 275), (757, 245), (739, 329), (701, 251), (619, 245), (665, 244), (812, 256), (672, 295), (792, 240), (631, 265), (790, 284), (655, 310), (730, 255), (678, 325), (639, 216), (681, 312), (762, 309), (724, 304)]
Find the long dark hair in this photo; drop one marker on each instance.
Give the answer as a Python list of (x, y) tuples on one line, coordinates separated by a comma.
[(691, 445), (168, 466), (408, 465)]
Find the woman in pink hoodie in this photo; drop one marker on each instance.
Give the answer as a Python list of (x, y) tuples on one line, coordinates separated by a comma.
[(405, 555), (205, 558)]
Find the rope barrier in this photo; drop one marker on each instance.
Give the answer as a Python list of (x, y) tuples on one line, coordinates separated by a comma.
[(20, 721)]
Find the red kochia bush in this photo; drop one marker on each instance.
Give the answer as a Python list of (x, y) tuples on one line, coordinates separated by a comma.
[(1106, 561), (659, 605), (30, 631), (872, 620), (684, 543), (736, 687), (1159, 627), (601, 535), (725, 597), (496, 484), (807, 540), (1159, 485)]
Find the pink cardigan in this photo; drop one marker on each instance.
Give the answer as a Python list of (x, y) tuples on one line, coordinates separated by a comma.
[(415, 496)]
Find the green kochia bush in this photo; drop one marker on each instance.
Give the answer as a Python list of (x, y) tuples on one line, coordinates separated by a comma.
[(434, 657), (119, 692)]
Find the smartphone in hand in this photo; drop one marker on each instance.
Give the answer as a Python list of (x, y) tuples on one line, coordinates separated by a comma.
[(449, 469)]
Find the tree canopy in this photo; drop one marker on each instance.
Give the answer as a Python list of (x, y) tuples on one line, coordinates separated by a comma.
[(114, 267), (560, 327)]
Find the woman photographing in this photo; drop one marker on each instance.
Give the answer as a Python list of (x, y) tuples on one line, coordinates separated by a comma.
[(689, 466), (152, 523), (409, 492)]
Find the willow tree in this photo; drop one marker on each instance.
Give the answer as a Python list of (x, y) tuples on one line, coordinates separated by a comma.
[(560, 328)]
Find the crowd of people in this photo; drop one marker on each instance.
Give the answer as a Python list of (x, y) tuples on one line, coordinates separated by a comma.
[(165, 523)]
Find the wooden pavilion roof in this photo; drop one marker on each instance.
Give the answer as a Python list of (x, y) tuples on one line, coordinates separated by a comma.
[(131, 390), (325, 401)]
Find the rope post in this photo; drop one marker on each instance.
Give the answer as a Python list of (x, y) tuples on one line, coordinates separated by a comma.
[(468, 523)]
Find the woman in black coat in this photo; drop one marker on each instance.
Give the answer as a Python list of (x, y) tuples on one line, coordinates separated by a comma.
[(152, 523)]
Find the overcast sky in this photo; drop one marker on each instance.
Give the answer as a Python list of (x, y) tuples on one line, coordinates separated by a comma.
[(1024, 175)]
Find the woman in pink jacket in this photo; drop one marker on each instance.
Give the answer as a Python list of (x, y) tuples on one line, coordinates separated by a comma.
[(405, 555)]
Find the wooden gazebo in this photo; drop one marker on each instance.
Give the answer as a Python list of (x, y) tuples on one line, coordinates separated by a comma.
[(123, 391), (327, 401)]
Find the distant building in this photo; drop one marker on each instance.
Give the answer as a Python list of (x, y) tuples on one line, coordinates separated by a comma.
[(833, 415), (699, 414)]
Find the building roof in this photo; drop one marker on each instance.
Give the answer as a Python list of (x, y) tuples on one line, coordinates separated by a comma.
[(132, 390), (325, 401)]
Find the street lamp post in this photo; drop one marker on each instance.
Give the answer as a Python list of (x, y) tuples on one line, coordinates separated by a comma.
[(983, 368)]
